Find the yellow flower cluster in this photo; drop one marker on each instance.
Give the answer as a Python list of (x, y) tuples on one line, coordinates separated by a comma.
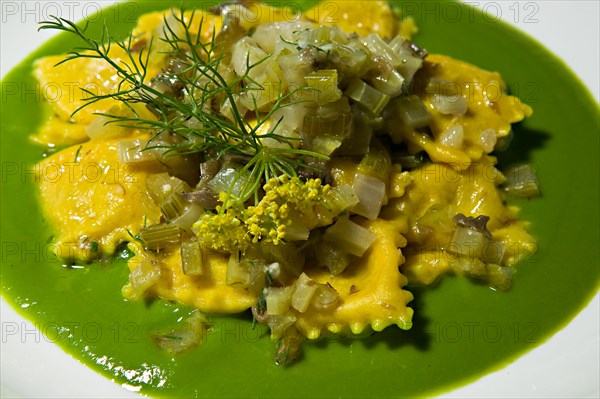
[(234, 227)]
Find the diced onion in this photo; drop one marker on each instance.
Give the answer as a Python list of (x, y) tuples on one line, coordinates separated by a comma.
[(450, 105), (487, 140)]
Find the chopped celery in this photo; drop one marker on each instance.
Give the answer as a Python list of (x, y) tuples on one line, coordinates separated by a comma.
[(499, 277), (468, 242), (412, 56), (278, 300), (375, 43), (279, 324), (343, 197), (190, 334), (371, 193), (160, 236), (161, 185), (388, 80), (521, 182), (174, 206), (348, 60), (325, 85), (186, 219), (370, 98), (376, 163), (339, 127), (237, 271), (304, 291), (412, 111), (191, 257), (348, 235), (145, 275), (135, 151), (494, 252), (359, 140), (245, 53), (472, 267)]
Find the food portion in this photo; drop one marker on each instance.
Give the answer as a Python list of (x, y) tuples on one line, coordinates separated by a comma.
[(303, 167)]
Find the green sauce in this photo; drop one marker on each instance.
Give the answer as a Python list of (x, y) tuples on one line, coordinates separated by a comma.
[(461, 330)]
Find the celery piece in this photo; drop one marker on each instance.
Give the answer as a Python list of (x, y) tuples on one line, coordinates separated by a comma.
[(237, 271), (135, 151), (188, 335), (325, 85), (160, 236), (376, 163), (471, 267), (388, 80), (499, 277), (468, 242), (191, 257), (377, 46), (371, 193), (350, 236), (278, 300), (161, 185), (348, 60), (339, 127), (411, 56), (173, 206), (370, 98), (144, 276), (342, 197), (264, 89), (494, 252), (412, 112), (279, 324), (304, 291), (521, 182)]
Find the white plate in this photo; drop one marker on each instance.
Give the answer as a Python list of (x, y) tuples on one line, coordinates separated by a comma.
[(567, 365)]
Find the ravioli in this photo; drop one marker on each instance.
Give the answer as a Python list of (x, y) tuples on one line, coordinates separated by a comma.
[(90, 197), (408, 231)]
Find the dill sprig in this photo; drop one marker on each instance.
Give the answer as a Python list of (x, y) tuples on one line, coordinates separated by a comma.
[(192, 117)]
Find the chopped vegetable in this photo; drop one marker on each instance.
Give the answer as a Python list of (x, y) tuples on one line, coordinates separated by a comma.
[(185, 337), (522, 182)]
